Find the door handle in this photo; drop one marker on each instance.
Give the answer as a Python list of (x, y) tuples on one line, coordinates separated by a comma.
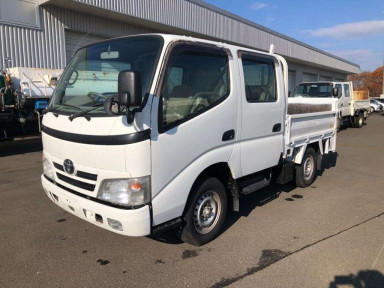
[(228, 135), (276, 127), (341, 105)]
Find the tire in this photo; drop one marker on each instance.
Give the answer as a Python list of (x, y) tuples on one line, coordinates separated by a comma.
[(205, 214), (359, 121), (306, 172)]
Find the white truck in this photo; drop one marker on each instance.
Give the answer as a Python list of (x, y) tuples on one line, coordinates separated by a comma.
[(154, 132), (352, 110)]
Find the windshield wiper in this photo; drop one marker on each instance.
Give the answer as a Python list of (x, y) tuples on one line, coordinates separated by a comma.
[(84, 112), (45, 111)]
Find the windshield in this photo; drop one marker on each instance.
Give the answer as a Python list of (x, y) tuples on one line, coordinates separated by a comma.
[(92, 75), (314, 90)]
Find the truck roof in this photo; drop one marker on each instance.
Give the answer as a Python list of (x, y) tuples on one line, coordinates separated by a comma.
[(175, 37)]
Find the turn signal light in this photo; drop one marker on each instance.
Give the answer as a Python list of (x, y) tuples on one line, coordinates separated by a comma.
[(135, 186)]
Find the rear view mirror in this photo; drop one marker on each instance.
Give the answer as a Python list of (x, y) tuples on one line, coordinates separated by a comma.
[(129, 88), (109, 55), (335, 92)]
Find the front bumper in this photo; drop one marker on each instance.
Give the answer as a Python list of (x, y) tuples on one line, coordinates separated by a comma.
[(134, 222)]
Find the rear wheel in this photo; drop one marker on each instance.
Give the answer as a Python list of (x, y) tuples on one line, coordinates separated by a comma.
[(205, 215), (306, 172), (359, 120)]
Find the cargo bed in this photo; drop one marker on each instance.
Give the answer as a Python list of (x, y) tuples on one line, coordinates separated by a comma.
[(310, 120)]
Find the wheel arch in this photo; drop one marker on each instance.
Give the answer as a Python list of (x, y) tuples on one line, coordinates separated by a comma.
[(220, 170)]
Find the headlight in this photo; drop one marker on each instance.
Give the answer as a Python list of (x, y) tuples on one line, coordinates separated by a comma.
[(47, 167), (127, 192)]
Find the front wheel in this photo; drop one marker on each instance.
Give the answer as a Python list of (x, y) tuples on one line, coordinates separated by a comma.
[(306, 172), (205, 215)]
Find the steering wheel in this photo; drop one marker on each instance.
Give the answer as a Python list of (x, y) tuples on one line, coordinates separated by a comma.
[(98, 95), (196, 100)]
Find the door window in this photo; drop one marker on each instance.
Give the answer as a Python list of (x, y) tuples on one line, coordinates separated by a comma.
[(259, 80), (339, 87), (346, 90), (196, 79)]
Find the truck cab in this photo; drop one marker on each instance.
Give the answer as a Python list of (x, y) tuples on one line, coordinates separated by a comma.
[(154, 132)]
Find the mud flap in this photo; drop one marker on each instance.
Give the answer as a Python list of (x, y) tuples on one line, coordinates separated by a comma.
[(319, 161), (235, 192), (286, 173)]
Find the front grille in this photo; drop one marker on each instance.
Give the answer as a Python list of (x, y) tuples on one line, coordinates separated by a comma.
[(77, 183), (58, 166), (86, 175), (80, 174)]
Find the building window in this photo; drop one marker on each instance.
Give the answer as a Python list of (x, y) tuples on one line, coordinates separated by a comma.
[(20, 12)]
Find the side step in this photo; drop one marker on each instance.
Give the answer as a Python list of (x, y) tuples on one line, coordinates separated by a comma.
[(251, 185)]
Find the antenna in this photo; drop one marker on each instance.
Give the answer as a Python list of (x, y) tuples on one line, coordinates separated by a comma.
[(272, 49), (78, 44)]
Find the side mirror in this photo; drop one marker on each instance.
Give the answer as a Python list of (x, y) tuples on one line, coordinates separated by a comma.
[(129, 88), (335, 92), (111, 106)]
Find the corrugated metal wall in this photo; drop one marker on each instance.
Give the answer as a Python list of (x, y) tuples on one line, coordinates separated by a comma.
[(34, 47), (45, 48), (192, 16)]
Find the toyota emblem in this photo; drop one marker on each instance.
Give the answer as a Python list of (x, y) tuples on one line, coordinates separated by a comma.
[(69, 167)]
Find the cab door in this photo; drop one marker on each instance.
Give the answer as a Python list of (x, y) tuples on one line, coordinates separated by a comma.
[(340, 101), (194, 121), (262, 112), (346, 111)]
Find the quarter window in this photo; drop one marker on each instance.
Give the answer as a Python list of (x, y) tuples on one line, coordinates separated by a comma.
[(196, 79), (259, 80)]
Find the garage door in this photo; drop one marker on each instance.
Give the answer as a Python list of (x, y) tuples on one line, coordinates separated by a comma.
[(325, 78), (291, 81), (76, 40), (309, 77)]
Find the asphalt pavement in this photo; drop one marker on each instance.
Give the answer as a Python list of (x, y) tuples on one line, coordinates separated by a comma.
[(330, 234)]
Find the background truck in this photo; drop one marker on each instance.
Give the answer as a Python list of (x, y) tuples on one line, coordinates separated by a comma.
[(24, 94), (155, 132), (353, 106)]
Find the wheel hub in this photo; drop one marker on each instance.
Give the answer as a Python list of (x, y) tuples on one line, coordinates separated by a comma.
[(207, 212), (308, 167)]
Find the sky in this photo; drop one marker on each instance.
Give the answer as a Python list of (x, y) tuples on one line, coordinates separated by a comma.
[(351, 29)]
